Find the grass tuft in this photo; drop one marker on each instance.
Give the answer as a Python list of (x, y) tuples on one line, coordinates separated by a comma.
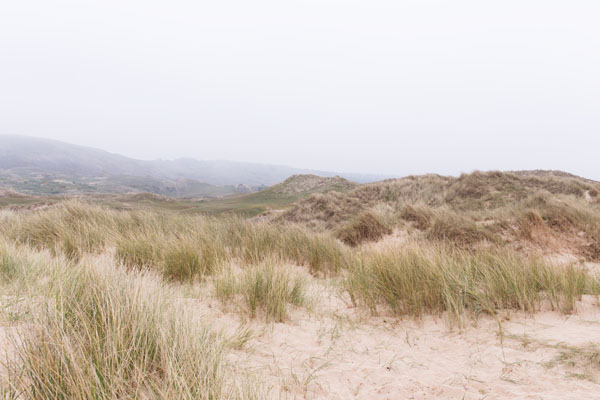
[(267, 289)]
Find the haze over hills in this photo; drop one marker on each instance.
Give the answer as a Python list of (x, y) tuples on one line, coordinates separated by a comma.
[(278, 196), (43, 166)]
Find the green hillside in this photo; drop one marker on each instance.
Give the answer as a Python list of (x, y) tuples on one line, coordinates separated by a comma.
[(276, 197)]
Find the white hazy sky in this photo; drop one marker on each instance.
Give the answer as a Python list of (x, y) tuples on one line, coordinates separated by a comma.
[(389, 86)]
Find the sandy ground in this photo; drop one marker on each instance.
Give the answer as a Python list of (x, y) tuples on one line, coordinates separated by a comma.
[(335, 351)]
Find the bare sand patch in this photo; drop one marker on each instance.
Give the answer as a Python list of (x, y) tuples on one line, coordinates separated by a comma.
[(339, 352)]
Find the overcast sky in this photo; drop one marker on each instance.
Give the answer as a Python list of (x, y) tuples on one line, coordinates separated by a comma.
[(388, 86)]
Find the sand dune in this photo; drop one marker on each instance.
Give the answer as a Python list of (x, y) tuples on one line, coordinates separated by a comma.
[(339, 352)]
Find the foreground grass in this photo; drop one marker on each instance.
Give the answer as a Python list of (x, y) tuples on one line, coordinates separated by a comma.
[(101, 332), (442, 279)]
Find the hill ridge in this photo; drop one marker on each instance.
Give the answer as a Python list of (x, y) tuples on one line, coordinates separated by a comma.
[(46, 166)]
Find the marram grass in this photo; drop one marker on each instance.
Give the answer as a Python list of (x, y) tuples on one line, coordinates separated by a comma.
[(101, 332), (446, 279)]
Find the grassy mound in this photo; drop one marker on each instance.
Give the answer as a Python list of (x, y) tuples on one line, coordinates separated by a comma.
[(555, 211), (459, 230)]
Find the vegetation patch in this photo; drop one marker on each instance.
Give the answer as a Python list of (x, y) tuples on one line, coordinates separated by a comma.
[(266, 289), (368, 227), (441, 279), (420, 216), (592, 251), (586, 359), (105, 333), (459, 230), (178, 258), (531, 225)]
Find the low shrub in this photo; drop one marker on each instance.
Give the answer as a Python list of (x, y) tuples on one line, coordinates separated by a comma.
[(458, 230), (592, 251), (530, 222), (368, 227), (418, 215)]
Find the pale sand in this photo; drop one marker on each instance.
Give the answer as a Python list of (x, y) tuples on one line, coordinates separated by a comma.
[(335, 351), (338, 352)]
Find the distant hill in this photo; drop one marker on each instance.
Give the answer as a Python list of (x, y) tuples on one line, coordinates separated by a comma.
[(42, 166), (278, 196), (234, 173), (304, 184), (22, 154)]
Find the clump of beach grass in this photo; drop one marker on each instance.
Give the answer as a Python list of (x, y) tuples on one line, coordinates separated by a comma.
[(267, 289), (104, 332), (177, 257), (446, 279)]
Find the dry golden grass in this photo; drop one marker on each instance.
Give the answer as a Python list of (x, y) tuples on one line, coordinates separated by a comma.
[(474, 209), (458, 229), (181, 248), (419, 215), (469, 192), (367, 227)]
